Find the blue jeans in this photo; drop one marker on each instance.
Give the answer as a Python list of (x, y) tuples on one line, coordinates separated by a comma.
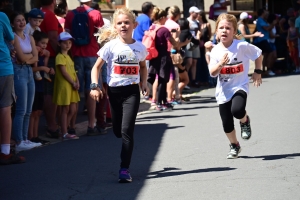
[(24, 90), (83, 66)]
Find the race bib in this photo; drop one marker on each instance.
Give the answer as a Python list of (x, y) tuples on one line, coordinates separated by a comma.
[(232, 69), (126, 70)]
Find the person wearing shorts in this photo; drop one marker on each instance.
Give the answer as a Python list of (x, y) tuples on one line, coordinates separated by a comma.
[(192, 56)]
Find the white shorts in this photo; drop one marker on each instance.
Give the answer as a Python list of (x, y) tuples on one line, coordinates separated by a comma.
[(193, 54)]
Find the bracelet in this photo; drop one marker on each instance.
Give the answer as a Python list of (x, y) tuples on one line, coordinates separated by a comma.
[(258, 71)]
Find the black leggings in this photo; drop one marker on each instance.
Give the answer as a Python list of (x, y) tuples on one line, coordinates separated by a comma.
[(236, 107), (162, 91), (124, 105)]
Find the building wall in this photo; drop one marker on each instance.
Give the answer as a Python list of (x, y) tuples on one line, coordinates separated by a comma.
[(137, 4)]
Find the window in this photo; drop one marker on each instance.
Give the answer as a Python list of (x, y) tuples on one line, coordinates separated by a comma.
[(244, 5), (119, 2)]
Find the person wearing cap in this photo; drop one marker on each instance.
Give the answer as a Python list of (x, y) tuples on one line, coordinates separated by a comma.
[(219, 7), (52, 28), (192, 56), (35, 18), (243, 28), (85, 57), (66, 85)]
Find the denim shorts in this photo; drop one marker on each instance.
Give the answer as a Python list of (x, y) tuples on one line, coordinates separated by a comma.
[(272, 46), (7, 91), (193, 54), (83, 67)]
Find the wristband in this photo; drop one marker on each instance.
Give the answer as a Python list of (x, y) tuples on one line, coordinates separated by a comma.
[(258, 71)]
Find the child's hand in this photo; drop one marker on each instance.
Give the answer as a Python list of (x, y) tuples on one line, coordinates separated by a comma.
[(96, 94), (256, 79), (52, 71), (224, 60), (38, 48), (77, 85)]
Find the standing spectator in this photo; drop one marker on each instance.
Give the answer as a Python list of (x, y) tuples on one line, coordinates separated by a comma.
[(243, 28), (66, 86), (26, 55), (297, 26), (52, 28), (85, 55), (144, 21), (262, 42), (219, 7), (61, 10), (41, 40), (7, 93), (292, 41), (193, 55), (202, 68), (273, 19), (283, 23)]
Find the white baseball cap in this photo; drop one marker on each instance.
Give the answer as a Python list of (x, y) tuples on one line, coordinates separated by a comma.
[(194, 9), (84, 1), (64, 36), (244, 15)]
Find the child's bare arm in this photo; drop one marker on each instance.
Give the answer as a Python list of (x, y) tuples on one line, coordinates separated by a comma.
[(67, 76)]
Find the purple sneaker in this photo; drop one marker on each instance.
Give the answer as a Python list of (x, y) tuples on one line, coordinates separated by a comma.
[(124, 176)]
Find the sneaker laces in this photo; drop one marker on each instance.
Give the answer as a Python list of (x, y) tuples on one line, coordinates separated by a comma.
[(245, 127)]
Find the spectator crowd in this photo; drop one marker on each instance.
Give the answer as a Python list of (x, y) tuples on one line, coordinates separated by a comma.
[(46, 63)]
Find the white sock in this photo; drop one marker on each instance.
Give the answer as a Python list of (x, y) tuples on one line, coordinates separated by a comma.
[(5, 149)]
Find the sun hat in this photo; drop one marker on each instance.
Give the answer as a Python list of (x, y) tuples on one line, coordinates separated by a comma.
[(244, 15), (64, 36)]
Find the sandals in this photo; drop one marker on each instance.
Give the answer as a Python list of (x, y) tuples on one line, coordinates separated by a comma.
[(68, 136)]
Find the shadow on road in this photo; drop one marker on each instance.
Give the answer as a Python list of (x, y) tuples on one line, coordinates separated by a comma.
[(198, 107), (273, 157), (161, 117), (167, 172)]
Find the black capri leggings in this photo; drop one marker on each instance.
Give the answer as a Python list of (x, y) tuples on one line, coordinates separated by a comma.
[(236, 107), (124, 105)]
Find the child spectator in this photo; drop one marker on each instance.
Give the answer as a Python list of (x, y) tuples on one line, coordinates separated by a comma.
[(41, 41), (66, 85), (61, 10), (35, 18), (292, 41)]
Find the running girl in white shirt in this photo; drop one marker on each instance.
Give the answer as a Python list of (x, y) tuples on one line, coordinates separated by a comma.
[(126, 69), (229, 61)]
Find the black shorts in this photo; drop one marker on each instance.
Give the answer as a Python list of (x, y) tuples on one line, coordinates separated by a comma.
[(38, 102), (264, 46)]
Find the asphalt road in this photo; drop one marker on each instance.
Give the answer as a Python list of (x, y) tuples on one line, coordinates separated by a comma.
[(177, 155)]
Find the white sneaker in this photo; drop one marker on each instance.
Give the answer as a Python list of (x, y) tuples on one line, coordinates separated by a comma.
[(187, 87), (35, 144), (46, 76), (270, 73), (37, 76), (23, 146)]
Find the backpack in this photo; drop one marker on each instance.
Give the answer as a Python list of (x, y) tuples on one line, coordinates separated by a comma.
[(211, 12), (80, 27), (149, 41)]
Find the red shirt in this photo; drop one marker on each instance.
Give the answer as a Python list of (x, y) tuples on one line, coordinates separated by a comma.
[(95, 21), (50, 23)]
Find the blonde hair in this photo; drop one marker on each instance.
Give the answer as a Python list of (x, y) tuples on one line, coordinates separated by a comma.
[(158, 13), (229, 18), (107, 33), (174, 11)]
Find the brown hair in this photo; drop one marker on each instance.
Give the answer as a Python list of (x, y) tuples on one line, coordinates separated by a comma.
[(174, 11), (158, 13)]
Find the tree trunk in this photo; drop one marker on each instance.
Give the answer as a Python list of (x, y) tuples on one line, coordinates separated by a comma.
[(189, 3)]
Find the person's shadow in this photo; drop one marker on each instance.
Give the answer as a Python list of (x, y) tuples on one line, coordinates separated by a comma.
[(273, 157), (170, 171)]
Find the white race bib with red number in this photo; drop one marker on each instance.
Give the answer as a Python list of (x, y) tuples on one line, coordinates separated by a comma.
[(229, 71), (126, 70)]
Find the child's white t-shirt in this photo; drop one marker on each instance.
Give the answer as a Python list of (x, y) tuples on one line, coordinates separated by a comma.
[(234, 75), (122, 62), (29, 30)]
